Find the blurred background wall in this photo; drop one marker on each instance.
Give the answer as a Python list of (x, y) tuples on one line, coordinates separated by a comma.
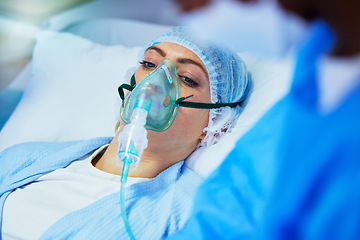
[(20, 20)]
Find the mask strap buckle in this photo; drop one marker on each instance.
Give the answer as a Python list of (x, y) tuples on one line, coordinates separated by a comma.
[(180, 100)]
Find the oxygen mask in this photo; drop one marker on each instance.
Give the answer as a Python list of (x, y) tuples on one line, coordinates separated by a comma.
[(156, 93)]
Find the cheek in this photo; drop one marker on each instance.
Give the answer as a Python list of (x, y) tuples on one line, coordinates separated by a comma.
[(140, 74), (186, 128), (192, 120), (200, 94), (183, 133)]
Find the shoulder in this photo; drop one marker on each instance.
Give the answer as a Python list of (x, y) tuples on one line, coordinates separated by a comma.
[(185, 188), (33, 148), (25, 154), (182, 192), (188, 181), (29, 150)]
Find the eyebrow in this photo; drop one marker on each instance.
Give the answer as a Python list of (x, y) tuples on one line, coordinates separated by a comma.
[(190, 61), (161, 52), (179, 60)]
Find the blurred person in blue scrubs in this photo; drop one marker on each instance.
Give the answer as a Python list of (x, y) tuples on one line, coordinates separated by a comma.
[(296, 173)]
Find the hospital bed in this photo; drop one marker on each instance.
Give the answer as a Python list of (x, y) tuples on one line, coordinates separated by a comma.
[(69, 90)]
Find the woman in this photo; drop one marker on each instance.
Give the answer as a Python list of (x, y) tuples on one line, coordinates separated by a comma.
[(71, 190)]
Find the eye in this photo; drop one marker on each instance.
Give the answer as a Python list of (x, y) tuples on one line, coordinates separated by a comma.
[(188, 81), (147, 65)]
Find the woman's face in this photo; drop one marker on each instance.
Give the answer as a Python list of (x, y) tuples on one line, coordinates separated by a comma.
[(189, 123)]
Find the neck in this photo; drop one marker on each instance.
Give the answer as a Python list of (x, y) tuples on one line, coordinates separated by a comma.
[(151, 164)]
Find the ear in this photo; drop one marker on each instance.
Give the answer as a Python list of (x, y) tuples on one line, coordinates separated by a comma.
[(202, 136)]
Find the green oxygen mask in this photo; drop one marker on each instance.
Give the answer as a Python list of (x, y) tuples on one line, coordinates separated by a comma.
[(157, 94)]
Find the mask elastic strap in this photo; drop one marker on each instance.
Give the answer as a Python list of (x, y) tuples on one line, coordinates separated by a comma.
[(181, 103), (127, 87)]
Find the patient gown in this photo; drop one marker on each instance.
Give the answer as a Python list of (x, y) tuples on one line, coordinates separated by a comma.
[(295, 175), (156, 208)]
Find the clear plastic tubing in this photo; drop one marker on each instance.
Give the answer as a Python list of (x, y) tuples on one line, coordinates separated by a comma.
[(132, 142)]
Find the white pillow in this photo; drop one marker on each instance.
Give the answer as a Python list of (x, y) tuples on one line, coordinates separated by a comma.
[(270, 82), (72, 94)]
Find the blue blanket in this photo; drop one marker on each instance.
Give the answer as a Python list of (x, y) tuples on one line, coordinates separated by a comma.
[(155, 208)]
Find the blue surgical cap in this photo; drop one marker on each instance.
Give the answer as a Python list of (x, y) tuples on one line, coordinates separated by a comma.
[(228, 77)]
